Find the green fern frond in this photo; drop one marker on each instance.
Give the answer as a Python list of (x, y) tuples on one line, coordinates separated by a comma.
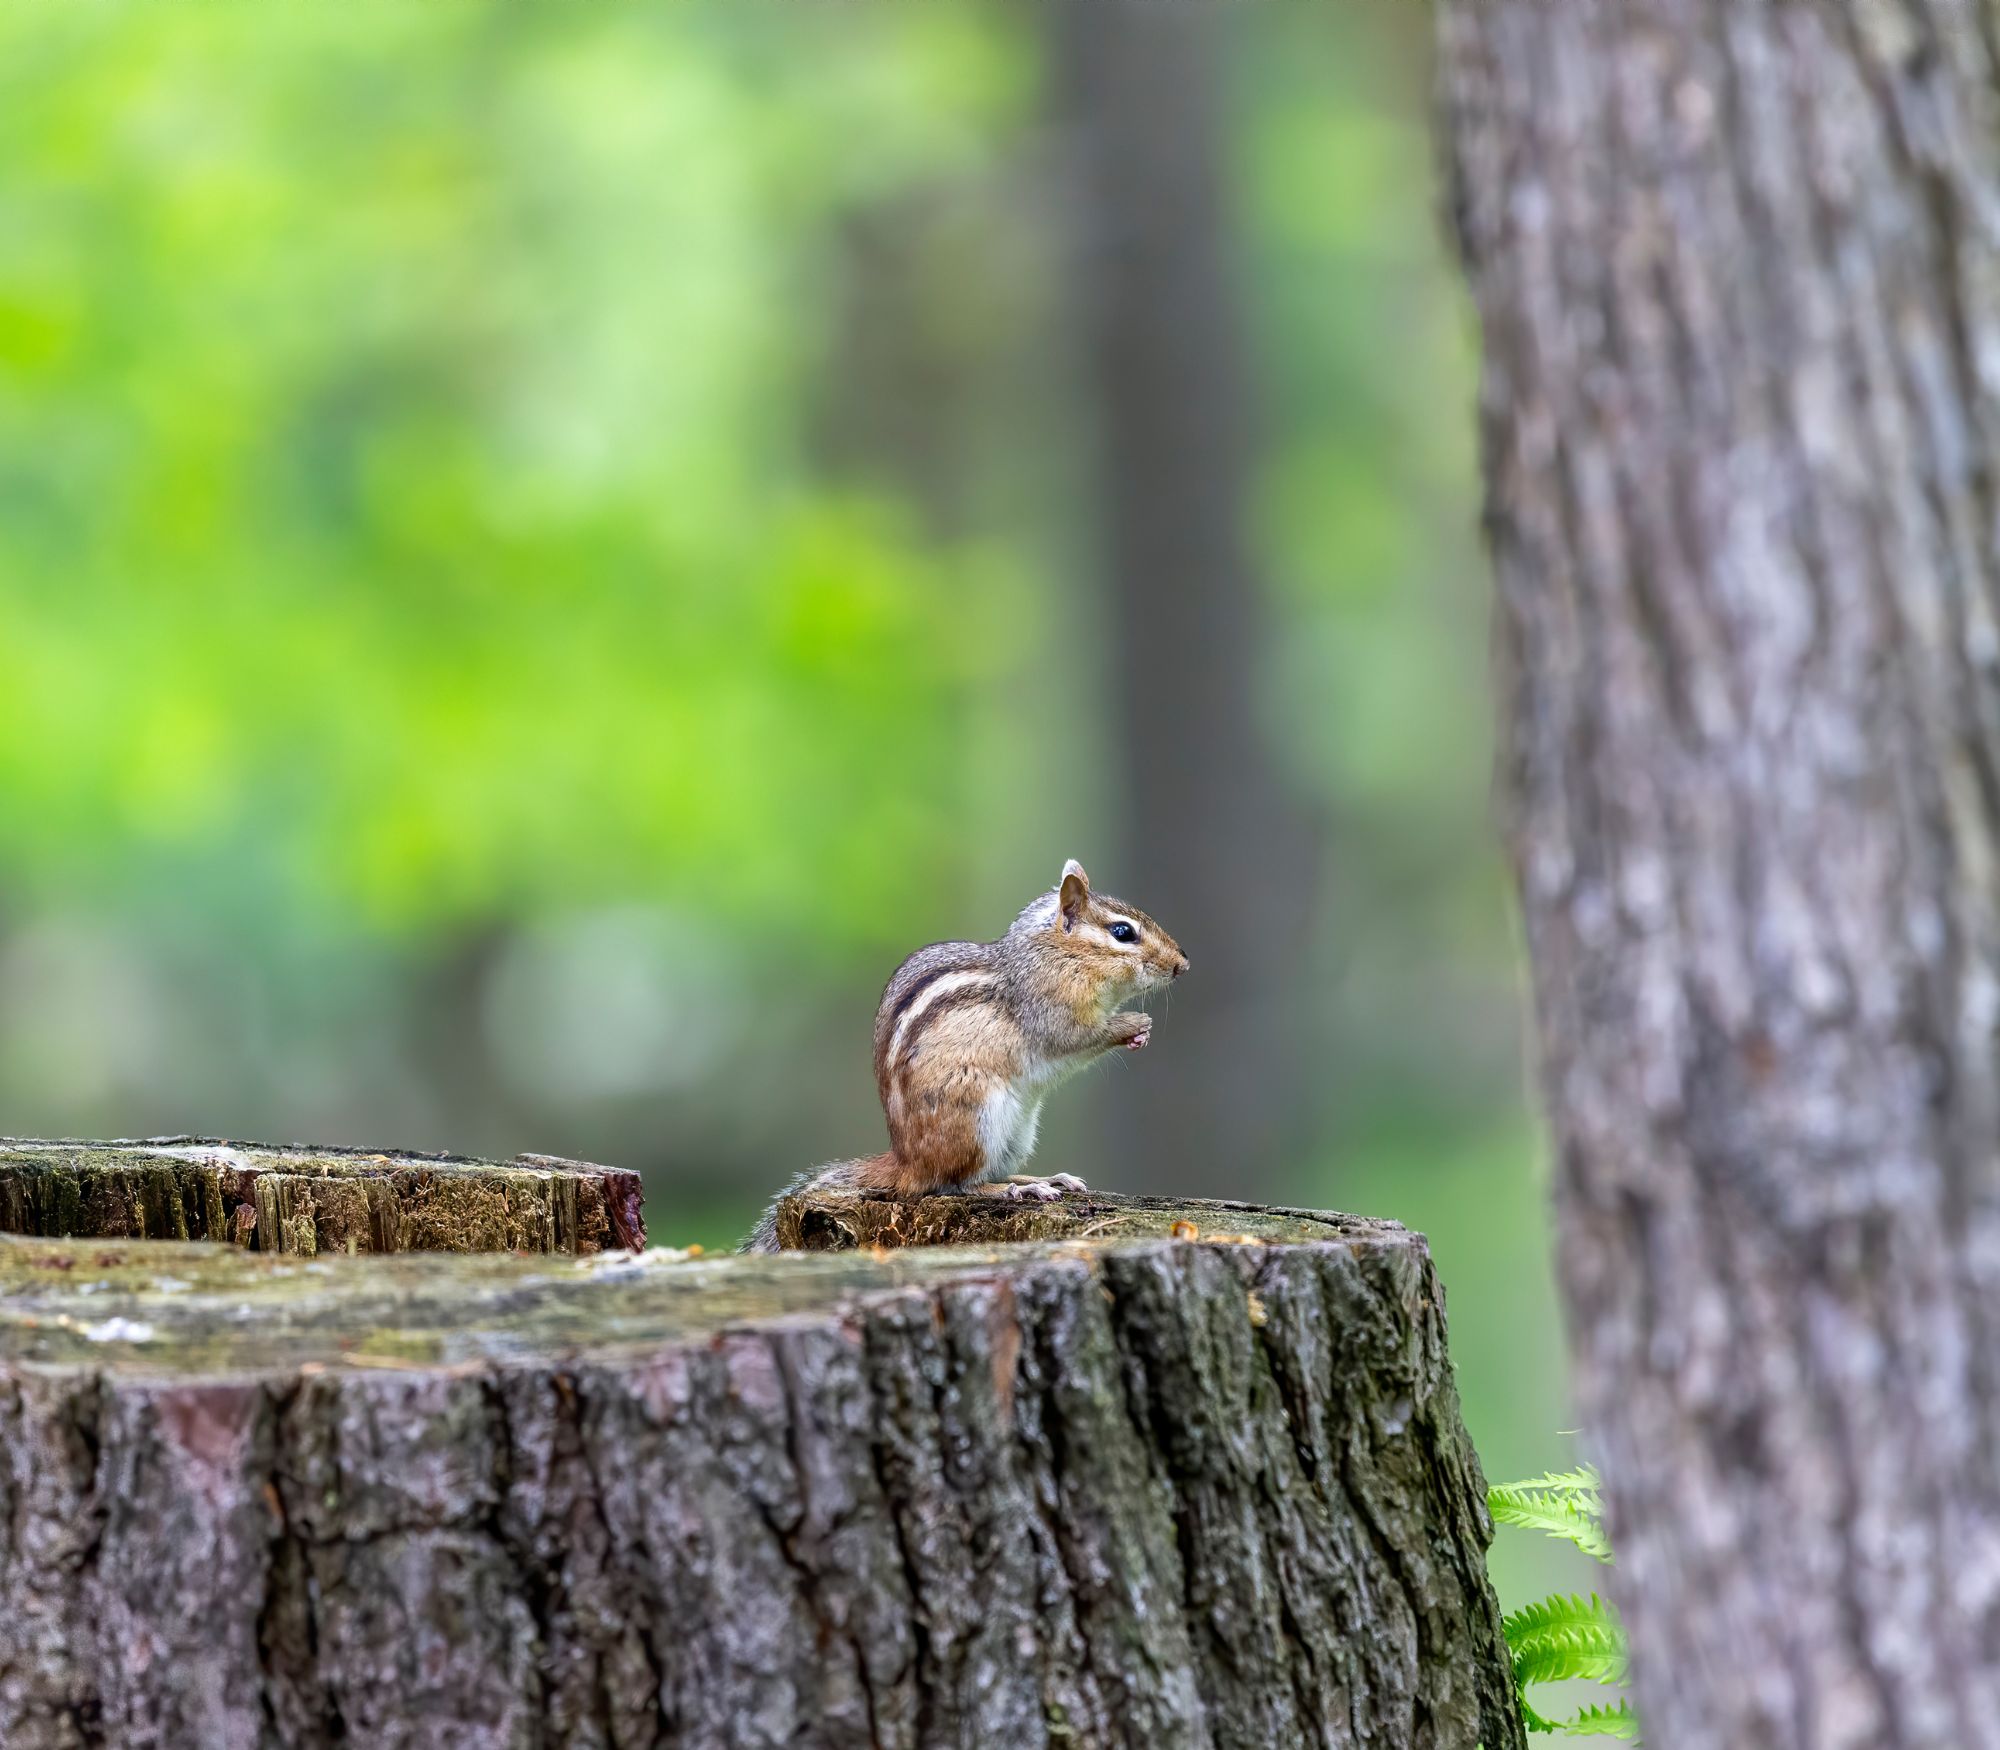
[(1583, 1480), (1556, 1518), (1564, 1504), (1617, 1721), (1557, 1612), (1562, 1638)]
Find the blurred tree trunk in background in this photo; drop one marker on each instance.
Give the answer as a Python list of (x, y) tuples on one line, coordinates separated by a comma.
[(1210, 844), (1738, 267)]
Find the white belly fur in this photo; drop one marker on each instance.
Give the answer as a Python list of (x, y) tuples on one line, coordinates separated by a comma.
[(1012, 1115), (1006, 1132)]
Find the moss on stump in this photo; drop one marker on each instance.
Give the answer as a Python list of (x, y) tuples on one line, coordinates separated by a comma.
[(312, 1200), (1115, 1490)]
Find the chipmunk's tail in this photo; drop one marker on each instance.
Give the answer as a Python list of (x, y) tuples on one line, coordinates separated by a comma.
[(839, 1176)]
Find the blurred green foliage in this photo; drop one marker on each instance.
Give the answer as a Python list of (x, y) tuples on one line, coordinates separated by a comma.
[(404, 495)]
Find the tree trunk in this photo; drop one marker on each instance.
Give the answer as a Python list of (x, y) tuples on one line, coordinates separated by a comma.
[(1738, 266), (1139, 1493), (1193, 783), (295, 1199)]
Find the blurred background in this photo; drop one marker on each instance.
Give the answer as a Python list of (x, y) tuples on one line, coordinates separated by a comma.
[(543, 548)]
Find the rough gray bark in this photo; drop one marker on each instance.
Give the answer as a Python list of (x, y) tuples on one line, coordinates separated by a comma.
[(1738, 266), (1194, 784), (296, 1199), (1147, 1493)]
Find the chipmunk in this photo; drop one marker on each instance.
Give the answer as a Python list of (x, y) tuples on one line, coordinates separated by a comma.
[(971, 1036)]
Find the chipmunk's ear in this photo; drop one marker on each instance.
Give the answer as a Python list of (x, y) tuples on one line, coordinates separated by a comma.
[(1073, 895)]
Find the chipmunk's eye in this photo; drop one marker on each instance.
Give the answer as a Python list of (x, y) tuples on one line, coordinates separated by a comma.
[(1121, 931)]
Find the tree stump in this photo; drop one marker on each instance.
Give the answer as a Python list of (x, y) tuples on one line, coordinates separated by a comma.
[(1121, 1489), (296, 1199)]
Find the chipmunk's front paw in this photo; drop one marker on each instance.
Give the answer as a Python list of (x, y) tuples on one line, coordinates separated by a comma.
[(1131, 1029)]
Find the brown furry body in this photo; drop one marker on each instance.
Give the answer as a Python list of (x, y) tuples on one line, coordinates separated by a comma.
[(971, 1037)]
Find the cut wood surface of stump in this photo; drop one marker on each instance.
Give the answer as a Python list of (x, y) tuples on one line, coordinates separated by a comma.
[(1127, 1489), (291, 1198), (814, 1220)]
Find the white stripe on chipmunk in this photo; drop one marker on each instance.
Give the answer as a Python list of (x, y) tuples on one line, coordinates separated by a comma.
[(942, 987)]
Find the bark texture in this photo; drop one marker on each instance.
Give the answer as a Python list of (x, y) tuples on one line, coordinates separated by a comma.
[(1145, 1493), (310, 1200), (1738, 266)]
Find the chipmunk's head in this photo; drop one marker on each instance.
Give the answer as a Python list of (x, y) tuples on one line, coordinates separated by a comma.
[(1118, 944)]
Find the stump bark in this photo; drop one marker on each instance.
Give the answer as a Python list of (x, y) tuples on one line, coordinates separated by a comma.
[(1122, 1489), (297, 1199)]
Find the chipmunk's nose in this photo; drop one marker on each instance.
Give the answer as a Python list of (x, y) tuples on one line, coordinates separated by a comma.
[(1182, 967)]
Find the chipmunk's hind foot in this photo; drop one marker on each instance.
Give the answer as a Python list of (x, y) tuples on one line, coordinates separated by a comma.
[(1032, 1188)]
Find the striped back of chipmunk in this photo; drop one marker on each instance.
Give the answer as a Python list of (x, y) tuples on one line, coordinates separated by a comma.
[(932, 982)]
